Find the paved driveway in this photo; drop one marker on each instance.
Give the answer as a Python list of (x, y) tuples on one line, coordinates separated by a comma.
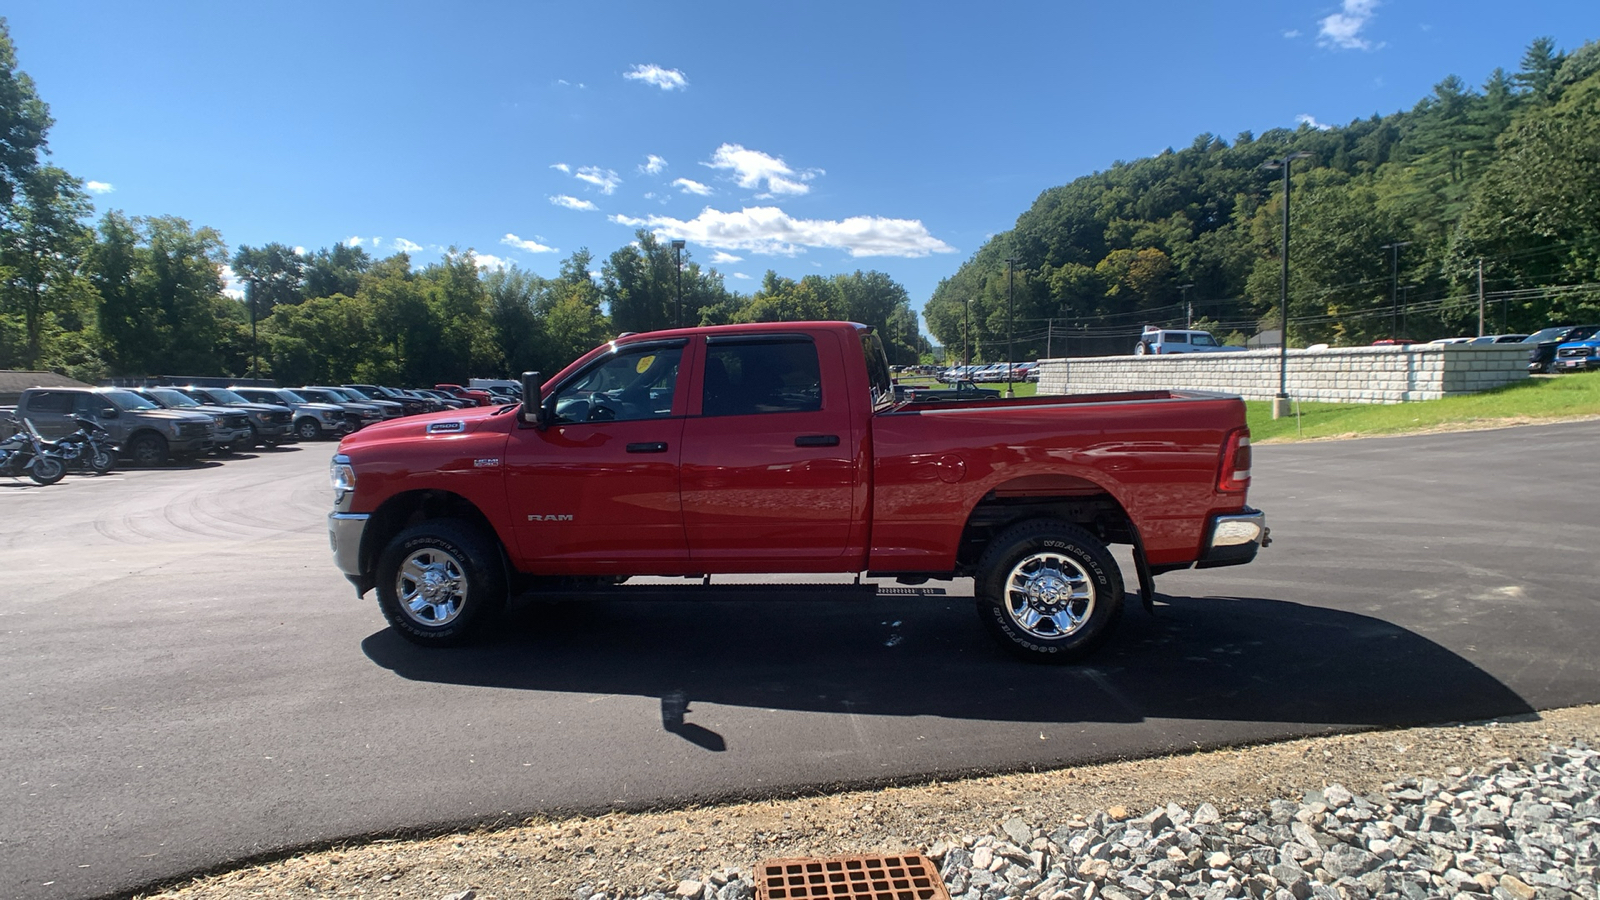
[(190, 682)]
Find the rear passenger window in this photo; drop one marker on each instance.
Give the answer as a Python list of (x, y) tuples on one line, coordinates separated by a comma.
[(51, 402), (1177, 337), (761, 376)]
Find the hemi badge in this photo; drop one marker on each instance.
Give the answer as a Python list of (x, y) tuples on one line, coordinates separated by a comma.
[(486, 463)]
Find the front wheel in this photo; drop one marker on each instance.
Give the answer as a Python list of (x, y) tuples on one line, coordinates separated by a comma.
[(148, 449), (47, 470), (1049, 591), (102, 461), (308, 430), (440, 582)]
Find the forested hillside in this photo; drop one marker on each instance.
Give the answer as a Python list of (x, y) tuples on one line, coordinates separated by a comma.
[(1390, 219), (139, 296)]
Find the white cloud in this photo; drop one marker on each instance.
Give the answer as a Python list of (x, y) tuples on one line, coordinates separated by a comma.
[(511, 240), (725, 258), (1306, 119), (653, 164), (752, 167), (1343, 28), (299, 250), (666, 79), (693, 187), (487, 261), (231, 285), (741, 276), (562, 167), (99, 187), (572, 202), (565, 83), (405, 246), (769, 230), (604, 179), (353, 241), (1292, 33)]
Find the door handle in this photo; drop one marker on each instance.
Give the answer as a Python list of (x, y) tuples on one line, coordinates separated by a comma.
[(817, 440), (648, 447)]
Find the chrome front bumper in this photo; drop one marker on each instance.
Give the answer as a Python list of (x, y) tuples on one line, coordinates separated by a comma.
[(1234, 539), (344, 535)]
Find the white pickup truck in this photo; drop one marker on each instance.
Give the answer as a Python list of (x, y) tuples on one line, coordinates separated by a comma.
[(1173, 340)]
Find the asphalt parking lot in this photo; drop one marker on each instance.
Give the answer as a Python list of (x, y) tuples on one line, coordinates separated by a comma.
[(191, 682)]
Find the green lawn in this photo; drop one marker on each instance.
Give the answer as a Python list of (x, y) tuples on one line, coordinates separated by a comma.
[(1559, 397)]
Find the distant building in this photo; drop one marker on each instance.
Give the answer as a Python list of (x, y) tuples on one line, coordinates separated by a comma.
[(13, 383)]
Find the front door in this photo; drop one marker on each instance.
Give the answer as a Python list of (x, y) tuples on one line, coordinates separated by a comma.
[(597, 491)]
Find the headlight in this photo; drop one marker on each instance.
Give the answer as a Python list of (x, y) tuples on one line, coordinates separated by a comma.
[(342, 476), (176, 428), (331, 415)]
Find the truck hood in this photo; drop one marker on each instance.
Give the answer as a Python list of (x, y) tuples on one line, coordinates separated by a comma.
[(174, 415), (442, 425)]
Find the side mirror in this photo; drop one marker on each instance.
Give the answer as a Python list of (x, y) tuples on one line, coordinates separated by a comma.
[(109, 412), (532, 412)]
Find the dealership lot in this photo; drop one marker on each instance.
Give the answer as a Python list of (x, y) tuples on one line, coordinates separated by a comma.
[(192, 682)]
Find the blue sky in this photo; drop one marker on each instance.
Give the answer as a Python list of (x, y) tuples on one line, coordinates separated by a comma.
[(805, 138)]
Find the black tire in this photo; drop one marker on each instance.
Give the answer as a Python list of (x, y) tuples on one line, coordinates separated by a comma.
[(440, 583), (148, 449), (102, 460), (47, 470), (1049, 591), (308, 429)]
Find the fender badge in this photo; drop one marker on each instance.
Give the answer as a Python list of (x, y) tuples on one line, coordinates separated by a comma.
[(486, 463), (452, 427)]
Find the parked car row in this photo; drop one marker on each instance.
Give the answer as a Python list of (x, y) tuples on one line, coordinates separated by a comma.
[(990, 373), (153, 424)]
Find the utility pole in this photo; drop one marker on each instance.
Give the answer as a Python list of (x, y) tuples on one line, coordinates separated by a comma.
[(1394, 288), (677, 261), (1049, 332), (1011, 318), (1280, 403), (1188, 311), (1480, 296)]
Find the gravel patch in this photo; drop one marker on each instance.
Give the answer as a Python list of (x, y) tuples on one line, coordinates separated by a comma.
[(1501, 810)]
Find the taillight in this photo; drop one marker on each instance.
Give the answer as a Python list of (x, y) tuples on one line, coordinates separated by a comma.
[(1234, 474)]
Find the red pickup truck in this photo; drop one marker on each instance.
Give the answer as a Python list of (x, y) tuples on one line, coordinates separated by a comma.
[(780, 448)]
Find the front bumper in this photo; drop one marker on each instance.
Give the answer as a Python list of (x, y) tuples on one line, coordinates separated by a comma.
[(1234, 539), (344, 536), (1576, 363)]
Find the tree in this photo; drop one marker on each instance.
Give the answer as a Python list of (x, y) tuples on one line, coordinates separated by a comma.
[(1539, 65), (337, 271), (273, 275), (40, 253), (24, 122), (159, 280)]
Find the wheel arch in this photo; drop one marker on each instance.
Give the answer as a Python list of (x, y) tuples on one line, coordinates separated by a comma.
[(411, 507), (1069, 498)]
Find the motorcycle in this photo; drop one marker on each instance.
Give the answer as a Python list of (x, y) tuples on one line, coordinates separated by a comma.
[(89, 449), (25, 452)]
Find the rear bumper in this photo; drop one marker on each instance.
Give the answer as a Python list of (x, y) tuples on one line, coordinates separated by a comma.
[(1234, 539)]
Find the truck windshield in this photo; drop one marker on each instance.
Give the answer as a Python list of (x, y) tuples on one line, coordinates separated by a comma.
[(173, 399), (129, 400)]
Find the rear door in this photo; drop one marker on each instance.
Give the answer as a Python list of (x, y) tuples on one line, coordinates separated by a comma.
[(769, 467), (51, 412)]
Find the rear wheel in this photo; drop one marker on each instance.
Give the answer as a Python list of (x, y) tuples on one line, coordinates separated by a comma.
[(440, 582), (308, 429), (1049, 591), (148, 449)]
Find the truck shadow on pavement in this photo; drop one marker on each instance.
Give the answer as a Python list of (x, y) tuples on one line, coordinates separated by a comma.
[(1238, 659)]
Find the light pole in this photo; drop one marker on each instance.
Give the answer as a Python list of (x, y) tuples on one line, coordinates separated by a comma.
[(1011, 317), (1188, 311), (677, 260), (1394, 287), (966, 330), (1280, 403)]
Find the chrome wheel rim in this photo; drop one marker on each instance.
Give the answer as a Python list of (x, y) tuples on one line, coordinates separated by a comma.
[(432, 586), (1049, 595)]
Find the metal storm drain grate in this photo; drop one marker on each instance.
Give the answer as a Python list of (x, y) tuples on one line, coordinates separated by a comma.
[(908, 876)]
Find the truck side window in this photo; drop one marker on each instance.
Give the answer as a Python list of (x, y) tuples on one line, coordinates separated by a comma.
[(636, 383), (50, 402), (761, 376)]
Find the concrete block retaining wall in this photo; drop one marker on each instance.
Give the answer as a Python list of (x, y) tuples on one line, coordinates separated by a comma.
[(1336, 375)]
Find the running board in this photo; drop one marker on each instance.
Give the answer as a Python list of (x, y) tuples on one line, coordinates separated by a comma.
[(698, 591)]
